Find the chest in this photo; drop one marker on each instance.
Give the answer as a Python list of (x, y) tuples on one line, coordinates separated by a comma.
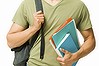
[(54, 15)]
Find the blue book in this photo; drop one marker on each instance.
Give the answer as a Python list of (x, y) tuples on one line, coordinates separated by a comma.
[(68, 44), (68, 28), (67, 39)]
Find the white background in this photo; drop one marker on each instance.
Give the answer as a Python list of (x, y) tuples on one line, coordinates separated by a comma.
[(7, 11)]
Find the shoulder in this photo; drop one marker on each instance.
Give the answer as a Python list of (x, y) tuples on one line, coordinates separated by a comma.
[(78, 3), (28, 2), (74, 3)]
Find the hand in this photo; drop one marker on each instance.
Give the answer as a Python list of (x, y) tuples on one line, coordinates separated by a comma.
[(68, 58), (38, 19)]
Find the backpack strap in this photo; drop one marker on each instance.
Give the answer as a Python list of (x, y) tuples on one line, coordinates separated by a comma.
[(39, 7)]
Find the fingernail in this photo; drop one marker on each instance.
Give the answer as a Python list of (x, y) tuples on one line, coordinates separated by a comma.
[(61, 49), (40, 11)]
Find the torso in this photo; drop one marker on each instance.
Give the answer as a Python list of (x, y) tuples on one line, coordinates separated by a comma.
[(55, 15)]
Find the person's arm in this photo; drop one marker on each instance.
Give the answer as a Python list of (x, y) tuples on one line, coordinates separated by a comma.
[(89, 43), (18, 35), (86, 48)]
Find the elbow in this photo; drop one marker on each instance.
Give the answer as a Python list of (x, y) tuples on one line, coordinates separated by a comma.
[(9, 42), (94, 43), (10, 45)]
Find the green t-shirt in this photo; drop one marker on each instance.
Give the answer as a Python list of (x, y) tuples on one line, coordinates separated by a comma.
[(54, 17)]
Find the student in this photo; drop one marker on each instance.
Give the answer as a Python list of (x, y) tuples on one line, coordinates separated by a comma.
[(55, 14)]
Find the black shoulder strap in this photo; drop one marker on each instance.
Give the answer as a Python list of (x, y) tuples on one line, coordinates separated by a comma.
[(39, 7)]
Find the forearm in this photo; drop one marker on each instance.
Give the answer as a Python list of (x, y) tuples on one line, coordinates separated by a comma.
[(86, 47), (16, 39)]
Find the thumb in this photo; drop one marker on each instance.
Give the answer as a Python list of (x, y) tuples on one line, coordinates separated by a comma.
[(67, 54)]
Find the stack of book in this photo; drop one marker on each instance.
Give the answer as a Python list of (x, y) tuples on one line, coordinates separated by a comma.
[(65, 37)]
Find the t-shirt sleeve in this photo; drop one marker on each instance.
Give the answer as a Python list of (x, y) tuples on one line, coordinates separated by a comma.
[(85, 22), (20, 17)]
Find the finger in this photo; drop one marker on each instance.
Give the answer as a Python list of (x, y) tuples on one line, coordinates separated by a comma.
[(40, 19), (67, 54), (40, 15), (64, 51), (60, 59), (62, 63), (39, 12)]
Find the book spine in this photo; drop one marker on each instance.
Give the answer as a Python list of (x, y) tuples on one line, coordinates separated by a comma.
[(58, 52), (52, 44)]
